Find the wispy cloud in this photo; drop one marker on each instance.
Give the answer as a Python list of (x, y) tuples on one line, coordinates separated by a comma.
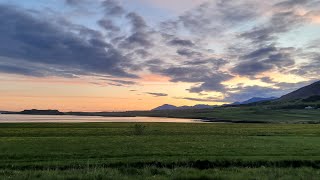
[(157, 94)]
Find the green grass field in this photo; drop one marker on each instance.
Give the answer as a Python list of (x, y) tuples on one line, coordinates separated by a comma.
[(160, 151)]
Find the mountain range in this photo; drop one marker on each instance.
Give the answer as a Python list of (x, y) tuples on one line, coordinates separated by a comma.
[(204, 106), (254, 100), (172, 107), (310, 93)]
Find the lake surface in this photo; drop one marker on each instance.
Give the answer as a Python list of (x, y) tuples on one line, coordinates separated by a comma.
[(13, 118)]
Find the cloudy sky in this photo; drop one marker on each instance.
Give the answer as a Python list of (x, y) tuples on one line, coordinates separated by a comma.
[(113, 55)]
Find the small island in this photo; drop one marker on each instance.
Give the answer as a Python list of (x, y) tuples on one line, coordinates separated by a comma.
[(41, 112)]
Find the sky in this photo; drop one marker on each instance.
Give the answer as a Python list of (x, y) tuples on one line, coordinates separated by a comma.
[(119, 55)]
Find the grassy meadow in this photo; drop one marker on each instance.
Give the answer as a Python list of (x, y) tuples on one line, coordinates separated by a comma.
[(159, 151)]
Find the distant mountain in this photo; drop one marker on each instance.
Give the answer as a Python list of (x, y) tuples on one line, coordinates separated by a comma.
[(312, 90), (171, 107), (165, 107), (258, 99), (255, 100)]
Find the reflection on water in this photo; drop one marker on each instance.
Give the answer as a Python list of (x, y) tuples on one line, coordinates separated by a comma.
[(12, 118)]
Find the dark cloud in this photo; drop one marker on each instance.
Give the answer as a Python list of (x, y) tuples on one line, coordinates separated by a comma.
[(259, 35), (213, 83), (122, 82), (260, 53), (284, 21), (137, 40), (154, 65), (138, 23), (281, 59), (251, 68), (108, 25), (188, 52), (74, 2), (36, 41), (142, 53), (267, 80), (112, 8), (77, 2), (209, 81), (198, 70), (205, 72), (181, 42), (310, 69), (140, 36), (208, 99), (264, 59), (27, 71), (115, 84), (154, 62), (214, 17), (314, 44), (10, 66), (214, 63), (183, 74), (76, 8), (112, 11), (157, 94), (291, 3)]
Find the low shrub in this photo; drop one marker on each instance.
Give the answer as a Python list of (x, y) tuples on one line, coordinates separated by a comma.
[(139, 129)]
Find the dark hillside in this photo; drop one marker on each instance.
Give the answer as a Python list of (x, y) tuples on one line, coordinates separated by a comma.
[(303, 93)]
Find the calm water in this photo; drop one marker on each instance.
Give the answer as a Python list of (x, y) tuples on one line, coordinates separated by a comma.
[(5, 118)]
